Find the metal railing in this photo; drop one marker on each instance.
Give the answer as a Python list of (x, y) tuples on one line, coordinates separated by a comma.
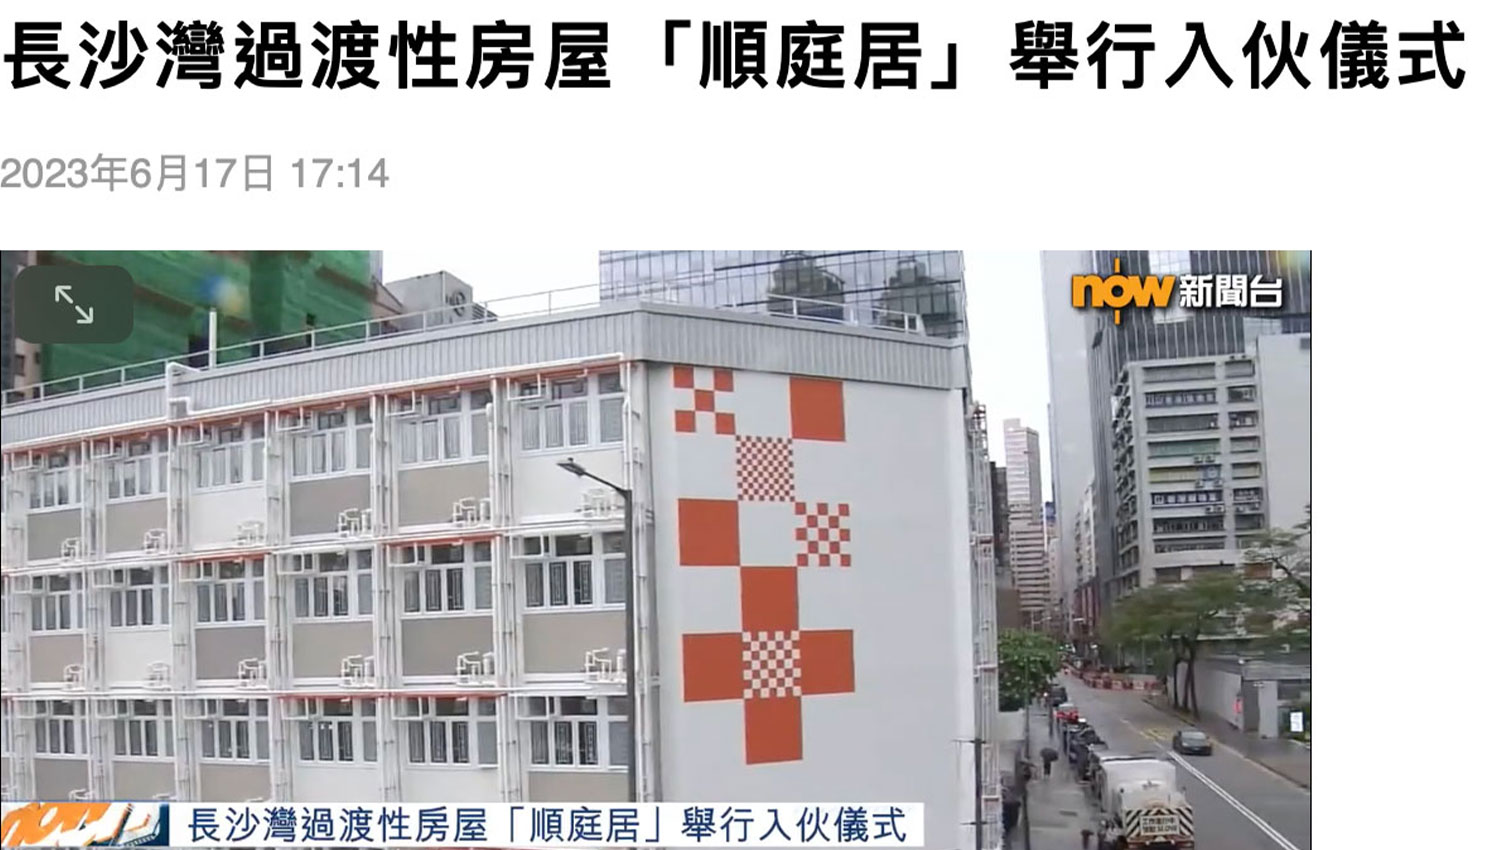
[(548, 303)]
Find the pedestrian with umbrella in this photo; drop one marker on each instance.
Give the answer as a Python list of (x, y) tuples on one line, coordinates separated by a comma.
[(1049, 756)]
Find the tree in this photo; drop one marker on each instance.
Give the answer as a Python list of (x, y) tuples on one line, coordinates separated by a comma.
[(1029, 662), (1180, 616), (1288, 554)]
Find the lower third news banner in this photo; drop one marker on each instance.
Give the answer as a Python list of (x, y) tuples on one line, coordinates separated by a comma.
[(462, 825)]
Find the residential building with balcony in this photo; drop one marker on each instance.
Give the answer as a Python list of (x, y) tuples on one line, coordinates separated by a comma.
[(357, 571)]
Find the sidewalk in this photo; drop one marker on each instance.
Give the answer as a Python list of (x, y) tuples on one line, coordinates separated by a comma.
[(1056, 805), (1286, 758)]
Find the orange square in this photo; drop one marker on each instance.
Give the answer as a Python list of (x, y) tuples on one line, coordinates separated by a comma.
[(723, 423), (827, 661), (703, 401), (712, 667), (708, 533), (682, 377), (723, 381), (687, 421), (773, 730), (817, 409), (768, 598)]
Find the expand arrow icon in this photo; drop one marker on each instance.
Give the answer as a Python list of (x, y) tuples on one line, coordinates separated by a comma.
[(60, 293), (84, 318)]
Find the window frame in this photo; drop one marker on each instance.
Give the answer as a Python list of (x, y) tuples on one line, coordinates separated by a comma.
[(336, 442), (47, 599), (357, 575), (57, 480), (476, 576), (411, 428), (240, 443), (253, 729), (132, 725), (360, 721), (609, 718), (127, 598), (153, 465), (602, 390), (605, 562), (249, 588), (426, 721), (64, 729)]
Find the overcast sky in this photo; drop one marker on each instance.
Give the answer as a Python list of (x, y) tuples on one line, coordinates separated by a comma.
[(1008, 337)]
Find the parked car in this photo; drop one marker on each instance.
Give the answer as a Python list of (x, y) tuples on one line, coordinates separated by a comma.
[(1067, 712), (1059, 696), (1192, 742)]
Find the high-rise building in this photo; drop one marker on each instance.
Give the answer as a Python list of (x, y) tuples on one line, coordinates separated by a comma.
[(253, 295), (1069, 437), (371, 572), (1176, 412), (1028, 530), (1084, 588), (874, 288)]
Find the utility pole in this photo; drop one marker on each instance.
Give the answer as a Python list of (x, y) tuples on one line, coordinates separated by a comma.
[(978, 793)]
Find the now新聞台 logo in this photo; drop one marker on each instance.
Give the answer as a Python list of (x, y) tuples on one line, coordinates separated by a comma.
[(1118, 290)]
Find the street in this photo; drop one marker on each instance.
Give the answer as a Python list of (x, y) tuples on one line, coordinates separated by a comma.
[(1237, 803)]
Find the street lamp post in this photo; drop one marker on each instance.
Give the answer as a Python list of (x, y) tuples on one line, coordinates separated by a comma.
[(573, 467)]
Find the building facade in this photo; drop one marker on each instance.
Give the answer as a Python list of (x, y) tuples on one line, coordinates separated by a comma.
[(868, 287), (1027, 539), (381, 586), (1085, 583), (1186, 352), (1193, 459)]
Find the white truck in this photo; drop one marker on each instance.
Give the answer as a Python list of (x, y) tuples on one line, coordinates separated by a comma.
[(1142, 806)]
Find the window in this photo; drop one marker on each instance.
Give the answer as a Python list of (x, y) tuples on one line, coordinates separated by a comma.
[(325, 581), (1188, 497), (1239, 368), (142, 597), (232, 455), (1242, 393), (56, 485), (564, 418), (1246, 470), (447, 577), (437, 432), (1248, 419), (1178, 372), (57, 602), (1182, 447), (575, 571), (328, 732), (1188, 525), (1182, 398), (450, 730), (143, 727), (1198, 544), (1244, 444), (338, 440), (578, 732), (235, 730), (58, 728), (142, 471), (1171, 424), (232, 592), (1247, 494)]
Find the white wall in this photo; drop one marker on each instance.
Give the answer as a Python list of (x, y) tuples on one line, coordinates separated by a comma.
[(906, 596), (449, 785), (129, 653), (1285, 371), (543, 490), (337, 784), (214, 517)]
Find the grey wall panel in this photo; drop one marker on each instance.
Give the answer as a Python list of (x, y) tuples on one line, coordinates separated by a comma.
[(319, 649), (126, 523), (142, 780), (235, 783), (668, 333), (51, 654), (316, 504), (220, 650), (55, 778), (582, 787), (426, 495), (46, 531), (557, 643), (431, 647)]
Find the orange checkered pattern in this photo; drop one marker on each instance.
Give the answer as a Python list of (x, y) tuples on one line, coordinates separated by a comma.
[(763, 466), (822, 534)]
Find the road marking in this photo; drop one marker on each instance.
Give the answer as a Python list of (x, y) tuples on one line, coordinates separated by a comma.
[(1257, 820)]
